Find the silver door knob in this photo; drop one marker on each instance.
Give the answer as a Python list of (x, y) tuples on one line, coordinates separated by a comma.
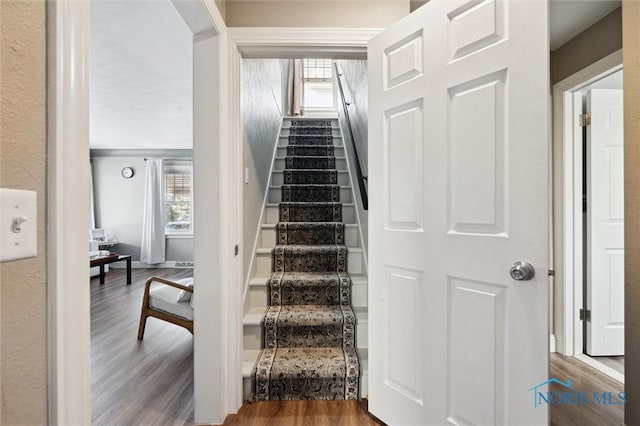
[(522, 271)]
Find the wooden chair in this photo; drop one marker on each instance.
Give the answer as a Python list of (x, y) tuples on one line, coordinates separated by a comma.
[(167, 301)]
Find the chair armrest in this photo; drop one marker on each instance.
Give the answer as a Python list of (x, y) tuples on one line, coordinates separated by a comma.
[(166, 282), (147, 286)]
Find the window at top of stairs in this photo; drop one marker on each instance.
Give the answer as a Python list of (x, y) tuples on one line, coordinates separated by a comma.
[(318, 85)]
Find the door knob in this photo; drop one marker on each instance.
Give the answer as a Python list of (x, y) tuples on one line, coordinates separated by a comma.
[(522, 271)]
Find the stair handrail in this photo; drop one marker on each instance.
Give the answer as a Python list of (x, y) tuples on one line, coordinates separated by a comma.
[(359, 175)]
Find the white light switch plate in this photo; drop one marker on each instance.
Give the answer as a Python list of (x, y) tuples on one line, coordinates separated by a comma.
[(18, 224)]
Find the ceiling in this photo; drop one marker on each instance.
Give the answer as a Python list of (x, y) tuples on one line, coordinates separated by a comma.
[(141, 68), (141, 76), (568, 18)]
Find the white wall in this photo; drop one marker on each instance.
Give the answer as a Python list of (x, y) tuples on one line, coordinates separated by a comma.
[(119, 204), (262, 110)]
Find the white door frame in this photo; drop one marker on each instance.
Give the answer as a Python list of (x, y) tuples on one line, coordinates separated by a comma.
[(567, 204), (216, 354)]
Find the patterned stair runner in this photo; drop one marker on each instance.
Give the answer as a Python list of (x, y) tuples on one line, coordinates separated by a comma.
[(309, 328)]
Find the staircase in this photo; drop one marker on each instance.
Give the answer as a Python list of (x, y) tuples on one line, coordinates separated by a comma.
[(308, 288)]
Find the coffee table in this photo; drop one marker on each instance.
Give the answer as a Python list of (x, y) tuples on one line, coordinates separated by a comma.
[(105, 260)]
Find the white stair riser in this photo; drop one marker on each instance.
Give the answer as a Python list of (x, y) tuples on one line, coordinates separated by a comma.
[(278, 179), (247, 388), (252, 338), (354, 263), (268, 236), (258, 296), (284, 141), (275, 195), (341, 164), (359, 293), (263, 264), (285, 132), (362, 335), (272, 214), (287, 121), (338, 151)]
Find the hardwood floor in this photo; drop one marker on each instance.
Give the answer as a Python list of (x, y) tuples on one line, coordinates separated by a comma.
[(585, 379), (303, 413), (151, 382), (615, 362), (137, 383)]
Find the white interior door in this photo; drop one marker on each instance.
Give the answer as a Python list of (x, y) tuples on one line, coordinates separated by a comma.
[(605, 223), (458, 143)]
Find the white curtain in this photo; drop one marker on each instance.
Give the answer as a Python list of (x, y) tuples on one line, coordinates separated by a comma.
[(152, 249), (296, 87)]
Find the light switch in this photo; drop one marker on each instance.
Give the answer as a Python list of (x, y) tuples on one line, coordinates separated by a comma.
[(18, 222)]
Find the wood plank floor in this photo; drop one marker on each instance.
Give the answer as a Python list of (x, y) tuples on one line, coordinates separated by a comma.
[(151, 383), (615, 362), (137, 383), (585, 379), (303, 413)]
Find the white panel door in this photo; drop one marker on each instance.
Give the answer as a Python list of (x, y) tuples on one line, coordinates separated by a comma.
[(605, 223), (458, 142)]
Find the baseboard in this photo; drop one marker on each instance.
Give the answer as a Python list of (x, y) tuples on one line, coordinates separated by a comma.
[(250, 272), (552, 343), (615, 375), (140, 265)]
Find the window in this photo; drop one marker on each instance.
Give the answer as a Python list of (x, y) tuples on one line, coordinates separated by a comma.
[(178, 200), (318, 84)]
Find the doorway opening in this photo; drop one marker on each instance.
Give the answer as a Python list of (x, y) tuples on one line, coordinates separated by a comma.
[(589, 204)]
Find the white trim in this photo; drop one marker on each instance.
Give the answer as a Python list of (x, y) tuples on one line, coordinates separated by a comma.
[(69, 391), (140, 265), (568, 205), (334, 43), (552, 343), (250, 272), (615, 375)]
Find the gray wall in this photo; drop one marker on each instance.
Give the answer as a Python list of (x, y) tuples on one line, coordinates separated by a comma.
[(355, 86), (119, 205), (262, 111)]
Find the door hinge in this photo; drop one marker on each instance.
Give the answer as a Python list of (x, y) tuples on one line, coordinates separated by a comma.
[(552, 273), (585, 314), (585, 120)]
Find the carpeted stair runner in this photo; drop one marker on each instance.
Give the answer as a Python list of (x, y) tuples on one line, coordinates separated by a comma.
[(309, 328)]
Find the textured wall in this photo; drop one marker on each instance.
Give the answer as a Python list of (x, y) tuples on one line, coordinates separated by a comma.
[(631, 53), (261, 117), (120, 206), (599, 40), (355, 86), (357, 93), (342, 14), (23, 310)]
